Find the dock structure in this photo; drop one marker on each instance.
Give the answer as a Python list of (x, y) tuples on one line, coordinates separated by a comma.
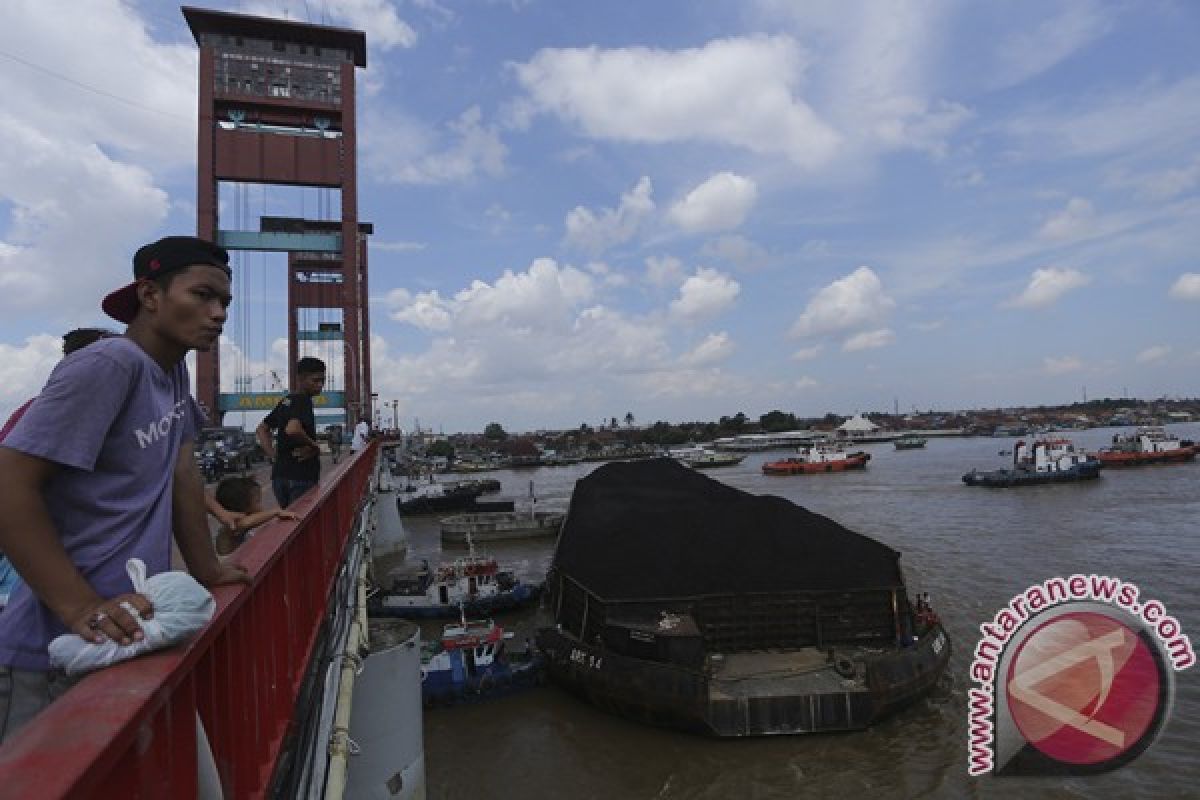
[(277, 108)]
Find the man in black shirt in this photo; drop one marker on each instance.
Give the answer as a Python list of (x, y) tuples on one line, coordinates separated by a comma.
[(295, 451)]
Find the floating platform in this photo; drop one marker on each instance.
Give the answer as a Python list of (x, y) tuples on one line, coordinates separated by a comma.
[(461, 529)]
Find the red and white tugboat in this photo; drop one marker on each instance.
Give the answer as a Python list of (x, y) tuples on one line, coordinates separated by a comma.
[(816, 458), (1149, 445), (471, 662)]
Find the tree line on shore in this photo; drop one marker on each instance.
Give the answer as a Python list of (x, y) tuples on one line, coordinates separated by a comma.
[(668, 434)]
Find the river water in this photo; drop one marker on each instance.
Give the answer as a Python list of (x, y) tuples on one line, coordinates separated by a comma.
[(972, 549)]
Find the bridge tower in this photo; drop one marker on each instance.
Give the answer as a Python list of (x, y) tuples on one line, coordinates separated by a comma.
[(277, 107)]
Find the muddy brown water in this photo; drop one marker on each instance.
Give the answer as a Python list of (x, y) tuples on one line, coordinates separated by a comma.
[(971, 549)]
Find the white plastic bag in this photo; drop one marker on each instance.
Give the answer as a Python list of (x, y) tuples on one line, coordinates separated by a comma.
[(181, 608)]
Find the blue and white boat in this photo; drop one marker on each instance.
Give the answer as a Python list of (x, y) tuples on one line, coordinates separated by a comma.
[(1042, 461), (471, 662)]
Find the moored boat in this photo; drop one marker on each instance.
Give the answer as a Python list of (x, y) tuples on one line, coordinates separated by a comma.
[(910, 441), (704, 458), (438, 498), (817, 458), (461, 529), (471, 662), (777, 620), (1042, 461), (1148, 445), (472, 584)]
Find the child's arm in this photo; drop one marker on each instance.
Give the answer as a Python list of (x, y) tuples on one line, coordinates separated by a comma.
[(251, 521), (224, 516)]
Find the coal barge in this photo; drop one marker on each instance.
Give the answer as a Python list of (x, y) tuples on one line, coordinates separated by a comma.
[(682, 602)]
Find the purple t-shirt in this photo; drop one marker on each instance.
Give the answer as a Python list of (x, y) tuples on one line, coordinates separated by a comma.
[(113, 421)]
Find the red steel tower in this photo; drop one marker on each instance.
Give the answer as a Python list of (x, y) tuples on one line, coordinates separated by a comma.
[(277, 107)]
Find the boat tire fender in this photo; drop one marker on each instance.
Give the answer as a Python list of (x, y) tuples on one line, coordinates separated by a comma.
[(844, 667)]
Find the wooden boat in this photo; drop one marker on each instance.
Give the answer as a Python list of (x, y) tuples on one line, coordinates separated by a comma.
[(461, 529), (817, 458), (1040, 462), (1148, 445), (471, 662), (671, 610), (910, 441)]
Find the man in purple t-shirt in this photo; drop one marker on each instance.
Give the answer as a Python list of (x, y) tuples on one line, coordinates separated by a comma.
[(100, 470)]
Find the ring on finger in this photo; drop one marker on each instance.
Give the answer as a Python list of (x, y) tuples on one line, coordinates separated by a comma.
[(96, 620)]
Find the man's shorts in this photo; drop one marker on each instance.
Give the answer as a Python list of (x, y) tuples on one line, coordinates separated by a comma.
[(24, 693)]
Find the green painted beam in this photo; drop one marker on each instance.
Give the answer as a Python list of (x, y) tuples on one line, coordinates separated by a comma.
[(280, 242)]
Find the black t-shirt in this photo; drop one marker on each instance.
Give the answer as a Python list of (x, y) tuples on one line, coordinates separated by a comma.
[(294, 406)]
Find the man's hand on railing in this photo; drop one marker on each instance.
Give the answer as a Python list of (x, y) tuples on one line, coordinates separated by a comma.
[(108, 618)]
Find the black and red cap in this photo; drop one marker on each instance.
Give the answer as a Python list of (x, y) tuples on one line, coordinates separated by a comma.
[(156, 259)]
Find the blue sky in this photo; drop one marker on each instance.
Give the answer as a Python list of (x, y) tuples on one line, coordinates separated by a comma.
[(680, 210)]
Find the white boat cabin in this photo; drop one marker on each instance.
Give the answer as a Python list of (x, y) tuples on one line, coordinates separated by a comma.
[(1048, 455)]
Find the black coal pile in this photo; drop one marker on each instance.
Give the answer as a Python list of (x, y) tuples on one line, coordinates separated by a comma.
[(655, 528)]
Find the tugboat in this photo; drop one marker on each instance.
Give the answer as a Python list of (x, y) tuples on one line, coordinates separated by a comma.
[(472, 584), (818, 458), (1149, 445), (470, 662), (1043, 461), (438, 498), (683, 602)]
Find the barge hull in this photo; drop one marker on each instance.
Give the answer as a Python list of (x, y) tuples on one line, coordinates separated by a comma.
[(669, 695)]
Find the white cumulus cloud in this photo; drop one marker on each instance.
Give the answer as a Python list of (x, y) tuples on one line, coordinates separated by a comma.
[(741, 91), (24, 369), (705, 293), (426, 310), (1047, 285), (869, 340), (855, 301), (595, 232), (544, 292), (1187, 287), (714, 348), (721, 203), (1074, 221)]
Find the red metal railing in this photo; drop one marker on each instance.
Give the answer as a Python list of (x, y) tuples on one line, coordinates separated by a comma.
[(130, 731)]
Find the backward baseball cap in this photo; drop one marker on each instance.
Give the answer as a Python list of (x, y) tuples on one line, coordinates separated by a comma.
[(157, 259)]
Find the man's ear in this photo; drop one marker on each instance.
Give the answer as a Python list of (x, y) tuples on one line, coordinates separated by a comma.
[(149, 295)]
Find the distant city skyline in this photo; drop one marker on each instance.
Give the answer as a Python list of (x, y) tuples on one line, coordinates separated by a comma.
[(683, 210)]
